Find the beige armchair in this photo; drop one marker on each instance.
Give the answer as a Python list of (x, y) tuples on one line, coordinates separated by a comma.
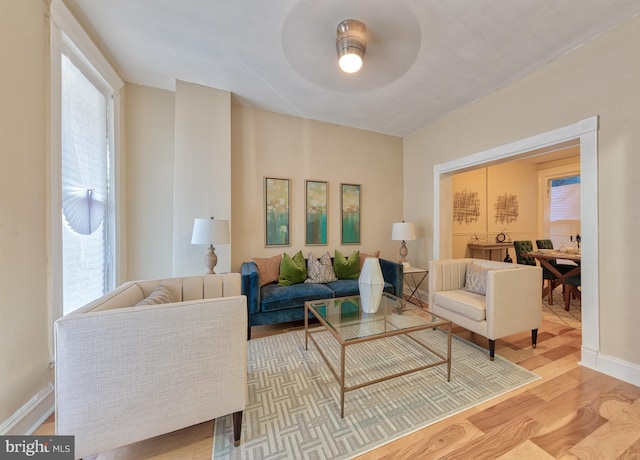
[(125, 373), (510, 302)]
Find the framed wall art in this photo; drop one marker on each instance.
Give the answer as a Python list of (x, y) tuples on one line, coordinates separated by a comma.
[(277, 198), (350, 203), (316, 201)]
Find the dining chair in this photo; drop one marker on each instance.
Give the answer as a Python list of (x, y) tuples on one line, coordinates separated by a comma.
[(521, 248), (562, 268), (571, 285)]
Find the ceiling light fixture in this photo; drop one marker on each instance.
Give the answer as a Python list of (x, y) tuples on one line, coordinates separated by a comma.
[(351, 44)]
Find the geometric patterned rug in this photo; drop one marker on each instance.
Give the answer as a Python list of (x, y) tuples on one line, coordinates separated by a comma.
[(293, 406)]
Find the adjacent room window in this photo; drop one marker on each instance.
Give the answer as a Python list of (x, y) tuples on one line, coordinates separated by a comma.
[(564, 209)]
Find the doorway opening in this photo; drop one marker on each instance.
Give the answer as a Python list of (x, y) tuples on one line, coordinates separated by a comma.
[(582, 133)]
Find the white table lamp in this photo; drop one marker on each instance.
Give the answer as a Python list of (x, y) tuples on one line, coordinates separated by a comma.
[(403, 231), (210, 231)]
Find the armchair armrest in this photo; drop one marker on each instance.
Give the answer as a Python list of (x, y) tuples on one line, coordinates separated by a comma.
[(251, 286), (513, 300), (392, 272)]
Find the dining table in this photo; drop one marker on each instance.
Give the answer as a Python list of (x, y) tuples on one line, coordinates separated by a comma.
[(548, 259)]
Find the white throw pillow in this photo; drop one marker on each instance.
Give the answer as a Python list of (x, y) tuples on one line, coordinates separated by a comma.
[(320, 270), (476, 279)]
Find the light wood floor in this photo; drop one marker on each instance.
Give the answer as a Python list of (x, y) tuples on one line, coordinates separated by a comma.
[(571, 412)]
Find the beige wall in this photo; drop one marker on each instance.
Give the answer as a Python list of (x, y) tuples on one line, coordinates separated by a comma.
[(24, 351), (599, 78), (150, 119), (517, 178), (263, 144), (202, 172), (178, 168), (269, 144)]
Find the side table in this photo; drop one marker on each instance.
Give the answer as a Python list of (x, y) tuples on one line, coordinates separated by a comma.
[(421, 275)]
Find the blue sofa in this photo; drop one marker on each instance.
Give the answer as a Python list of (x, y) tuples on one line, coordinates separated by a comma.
[(273, 304)]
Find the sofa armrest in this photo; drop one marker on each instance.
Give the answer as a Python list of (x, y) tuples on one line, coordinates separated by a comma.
[(392, 272), (186, 359), (251, 286)]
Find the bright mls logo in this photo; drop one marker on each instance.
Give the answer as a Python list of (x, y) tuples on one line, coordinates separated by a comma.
[(36, 447)]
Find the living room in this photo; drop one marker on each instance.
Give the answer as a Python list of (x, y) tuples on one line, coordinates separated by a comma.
[(596, 79)]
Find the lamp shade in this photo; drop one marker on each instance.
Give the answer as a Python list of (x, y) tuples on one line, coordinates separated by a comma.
[(210, 231), (403, 231)]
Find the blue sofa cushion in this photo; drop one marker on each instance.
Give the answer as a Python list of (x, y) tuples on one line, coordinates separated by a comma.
[(345, 288), (274, 297)]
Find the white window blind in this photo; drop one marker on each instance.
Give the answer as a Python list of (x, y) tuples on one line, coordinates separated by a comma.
[(565, 202), (564, 210), (85, 179)]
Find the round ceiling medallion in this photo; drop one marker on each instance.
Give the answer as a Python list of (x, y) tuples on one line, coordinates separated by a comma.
[(309, 42)]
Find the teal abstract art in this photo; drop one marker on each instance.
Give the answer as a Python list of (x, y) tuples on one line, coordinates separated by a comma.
[(277, 196), (350, 213), (316, 197)]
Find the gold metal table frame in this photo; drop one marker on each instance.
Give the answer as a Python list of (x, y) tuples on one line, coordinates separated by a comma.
[(388, 305), (411, 272)]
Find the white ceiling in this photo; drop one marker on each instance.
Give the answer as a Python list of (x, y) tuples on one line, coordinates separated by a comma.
[(424, 59)]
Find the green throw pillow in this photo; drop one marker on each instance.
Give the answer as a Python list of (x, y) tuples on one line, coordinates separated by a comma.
[(347, 269), (292, 270)]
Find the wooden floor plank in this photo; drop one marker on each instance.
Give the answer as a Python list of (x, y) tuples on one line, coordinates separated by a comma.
[(608, 441), (498, 441), (432, 442), (632, 452), (503, 412), (563, 434), (526, 451)]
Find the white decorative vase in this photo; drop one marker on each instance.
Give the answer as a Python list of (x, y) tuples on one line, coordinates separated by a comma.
[(371, 284)]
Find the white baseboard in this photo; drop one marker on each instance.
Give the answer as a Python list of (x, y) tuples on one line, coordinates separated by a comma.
[(614, 367), (29, 417)]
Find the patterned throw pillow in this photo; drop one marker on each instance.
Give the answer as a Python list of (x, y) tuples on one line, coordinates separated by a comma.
[(347, 269), (320, 270), (293, 270), (159, 295), (476, 279)]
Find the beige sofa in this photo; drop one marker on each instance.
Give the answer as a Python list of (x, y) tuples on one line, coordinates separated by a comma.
[(125, 373), (511, 303)]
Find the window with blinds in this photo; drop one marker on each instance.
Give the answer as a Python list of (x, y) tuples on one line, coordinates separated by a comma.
[(85, 188), (564, 209)]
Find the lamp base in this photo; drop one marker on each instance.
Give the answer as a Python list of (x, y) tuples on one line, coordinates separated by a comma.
[(403, 253), (210, 259)]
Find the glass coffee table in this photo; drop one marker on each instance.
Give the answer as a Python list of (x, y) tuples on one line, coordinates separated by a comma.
[(349, 325)]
